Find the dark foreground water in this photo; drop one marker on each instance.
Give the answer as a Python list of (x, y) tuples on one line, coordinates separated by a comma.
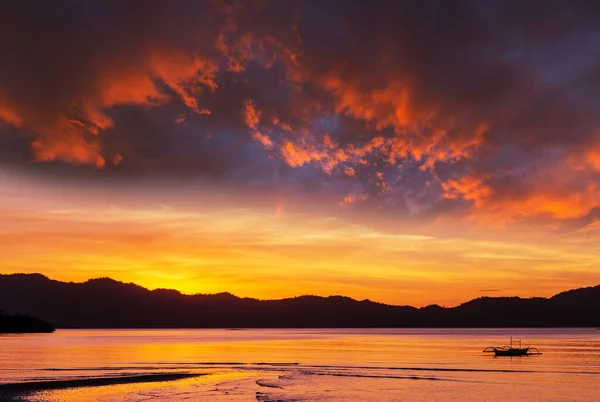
[(299, 365)]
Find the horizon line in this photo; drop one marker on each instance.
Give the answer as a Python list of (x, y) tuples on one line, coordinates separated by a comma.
[(292, 297)]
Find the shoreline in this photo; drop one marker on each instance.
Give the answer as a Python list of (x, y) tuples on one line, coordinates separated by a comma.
[(17, 391)]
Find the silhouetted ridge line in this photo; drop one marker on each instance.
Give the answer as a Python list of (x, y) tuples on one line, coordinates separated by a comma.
[(106, 303), (22, 324)]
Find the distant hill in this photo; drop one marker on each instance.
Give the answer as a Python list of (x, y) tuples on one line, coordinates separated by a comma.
[(13, 324), (106, 303)]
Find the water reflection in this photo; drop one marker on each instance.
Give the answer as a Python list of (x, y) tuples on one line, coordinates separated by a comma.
[(305, 364)]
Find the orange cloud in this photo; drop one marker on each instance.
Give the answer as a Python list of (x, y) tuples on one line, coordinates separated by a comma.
[(117, 159), (298, 155), (252, 117), (468, 187), (127, 87), (67, 144), (186, 75), (421, 131), (352, 198), (388, 107), (551, 199), (327, 155), (8, 114), (240, 47), (557, 203), (591, 158)]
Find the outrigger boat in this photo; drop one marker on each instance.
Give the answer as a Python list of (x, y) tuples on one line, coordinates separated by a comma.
[(509, 350)]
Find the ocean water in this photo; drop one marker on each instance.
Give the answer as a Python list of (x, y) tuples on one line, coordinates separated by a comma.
[(304, 365)]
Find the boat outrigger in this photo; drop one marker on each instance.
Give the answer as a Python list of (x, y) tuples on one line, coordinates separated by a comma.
[(509, 350)]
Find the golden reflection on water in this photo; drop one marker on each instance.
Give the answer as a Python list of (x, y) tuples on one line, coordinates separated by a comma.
[(377, 364)]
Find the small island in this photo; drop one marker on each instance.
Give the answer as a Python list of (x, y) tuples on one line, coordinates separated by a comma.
[(21, 324)]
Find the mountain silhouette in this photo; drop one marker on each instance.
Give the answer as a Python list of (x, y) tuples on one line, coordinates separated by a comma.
[(106, 303), (22, 324)]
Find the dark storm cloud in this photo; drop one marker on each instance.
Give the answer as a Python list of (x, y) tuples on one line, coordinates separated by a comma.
[(418, 107)]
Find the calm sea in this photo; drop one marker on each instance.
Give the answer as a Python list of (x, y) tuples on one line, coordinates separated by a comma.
[(312, 365)]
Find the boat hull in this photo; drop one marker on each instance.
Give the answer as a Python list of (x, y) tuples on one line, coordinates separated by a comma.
[(511, 352)]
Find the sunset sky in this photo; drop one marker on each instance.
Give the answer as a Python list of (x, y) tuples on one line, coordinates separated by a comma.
[(408, 152)]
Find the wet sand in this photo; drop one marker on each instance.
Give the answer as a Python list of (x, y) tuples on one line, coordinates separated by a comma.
[(21, 391)]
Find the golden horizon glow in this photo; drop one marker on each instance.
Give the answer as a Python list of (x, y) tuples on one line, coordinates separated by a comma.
[(275, 254)]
